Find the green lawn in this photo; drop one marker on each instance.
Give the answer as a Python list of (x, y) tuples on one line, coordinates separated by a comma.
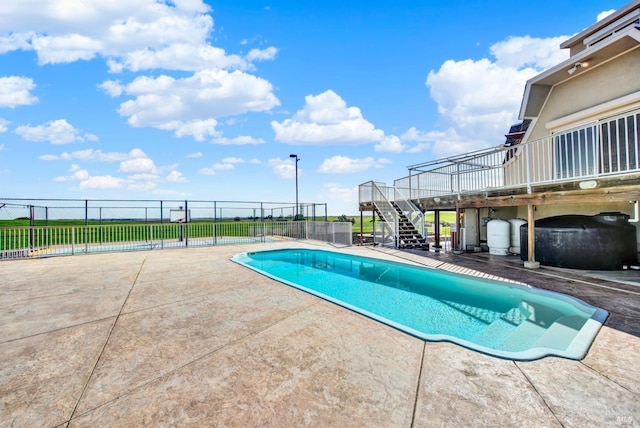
[(367, 223)]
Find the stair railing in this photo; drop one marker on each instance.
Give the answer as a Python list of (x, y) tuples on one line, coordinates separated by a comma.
[(386, 210), (411, 211)]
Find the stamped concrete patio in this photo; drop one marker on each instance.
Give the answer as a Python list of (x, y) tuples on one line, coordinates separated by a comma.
[(188, 338)]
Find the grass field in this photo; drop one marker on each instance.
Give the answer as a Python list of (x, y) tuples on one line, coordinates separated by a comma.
[(446, 218)]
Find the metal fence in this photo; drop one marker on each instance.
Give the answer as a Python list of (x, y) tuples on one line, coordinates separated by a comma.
[(48, 241), (42, 211), (53, 227)]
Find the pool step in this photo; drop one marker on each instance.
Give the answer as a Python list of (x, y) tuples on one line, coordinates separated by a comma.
[(562, 332), (523, 337), (486, 315), (516, 316), (502, 334), (494, 334)]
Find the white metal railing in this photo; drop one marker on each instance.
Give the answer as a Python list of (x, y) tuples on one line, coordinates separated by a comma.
[(381, 197), (383, 235), (46, 241), (336, 233), (606, 147)]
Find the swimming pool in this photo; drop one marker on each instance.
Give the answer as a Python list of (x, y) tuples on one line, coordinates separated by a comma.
[(498, 318)]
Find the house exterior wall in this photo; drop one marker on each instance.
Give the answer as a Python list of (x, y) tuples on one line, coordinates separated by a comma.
[(590, 88), (551, 210)]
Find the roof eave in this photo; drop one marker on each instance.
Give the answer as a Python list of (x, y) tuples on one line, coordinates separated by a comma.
[(574, 40), (538, 87)]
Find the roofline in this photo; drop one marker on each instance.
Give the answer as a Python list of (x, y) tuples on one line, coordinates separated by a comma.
[(560, 69), (600, 24)]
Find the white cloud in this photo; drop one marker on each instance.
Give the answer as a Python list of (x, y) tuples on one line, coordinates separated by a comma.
[(390, 143), (16, 91), (70, 30), (347, 165), (97, 155), (77, 173), (426, 140), (206, 171), (48, 157), (103, 182), (325, 119), (1, 147), (479, 99), (15, 42), (284, 169), (262, 54), (526, 51), (602, 15), (194, 155), (345, 197), (65, 48), (138, 165), (140, 186), (4, 125), (112, 87), (141, 173), (413, 134), (56, 132), (233, 160), (222, 166), (226, 164), (130, 35), (179, 56), (189, 105), (198, 129), (141, 35), (241, 140), (176, 177)]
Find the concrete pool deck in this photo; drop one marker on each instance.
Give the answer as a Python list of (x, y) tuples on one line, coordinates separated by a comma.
[(186, 337)]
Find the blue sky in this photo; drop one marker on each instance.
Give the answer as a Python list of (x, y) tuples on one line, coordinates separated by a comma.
[(206, 100)]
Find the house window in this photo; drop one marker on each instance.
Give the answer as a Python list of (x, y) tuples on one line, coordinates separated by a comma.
[(620, 144), (575, 152), (608, 146)]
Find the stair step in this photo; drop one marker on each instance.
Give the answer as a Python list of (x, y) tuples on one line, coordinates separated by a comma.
[(560, 334), (523, 337), (494, 334)]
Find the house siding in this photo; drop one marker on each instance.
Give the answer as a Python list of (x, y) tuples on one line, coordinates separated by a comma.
[(588, 89)]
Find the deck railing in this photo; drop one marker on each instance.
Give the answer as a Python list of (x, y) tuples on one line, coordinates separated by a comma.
[(603, 148), (46, 241)]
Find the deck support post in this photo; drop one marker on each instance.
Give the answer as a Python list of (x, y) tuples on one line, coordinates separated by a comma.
[(531, 262), (436, 230), (458, 243), (361, 229)]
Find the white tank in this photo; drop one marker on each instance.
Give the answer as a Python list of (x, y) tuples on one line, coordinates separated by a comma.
[(515, 234), (498, 236)]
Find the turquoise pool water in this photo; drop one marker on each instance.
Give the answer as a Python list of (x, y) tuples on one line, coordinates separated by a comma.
[(495, 317)]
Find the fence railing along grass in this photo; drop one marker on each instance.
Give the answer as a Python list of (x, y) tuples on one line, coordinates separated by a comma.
[(52, 240)]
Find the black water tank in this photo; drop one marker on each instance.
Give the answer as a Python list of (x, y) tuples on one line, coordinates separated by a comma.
[(606, 241)]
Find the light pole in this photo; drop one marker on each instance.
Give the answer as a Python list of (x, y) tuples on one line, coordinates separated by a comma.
[(297, 160)]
